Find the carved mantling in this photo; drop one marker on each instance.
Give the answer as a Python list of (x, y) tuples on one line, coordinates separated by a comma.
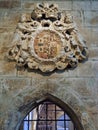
[(47, 39)]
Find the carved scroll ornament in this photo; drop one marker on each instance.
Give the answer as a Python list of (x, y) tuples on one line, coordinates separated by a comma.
[(47, 39)]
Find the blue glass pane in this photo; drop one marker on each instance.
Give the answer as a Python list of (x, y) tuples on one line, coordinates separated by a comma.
[(25, 125)]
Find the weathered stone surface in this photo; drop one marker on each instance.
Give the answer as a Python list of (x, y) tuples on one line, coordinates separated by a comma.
[(9, 90), (94, 32), (81, 5), (78, 18), (93, 53), (78, 87), (28, 5), (9, 18), (94, 5), (95, 68), (6, 35), (12, 85), (62, 5), (85, 87), (10, 3), (19, 89), (90, 18), (85, 70), (7, 69), (87, 34)]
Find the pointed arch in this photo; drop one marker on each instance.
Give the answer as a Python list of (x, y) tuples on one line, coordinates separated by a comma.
[(64, 106)]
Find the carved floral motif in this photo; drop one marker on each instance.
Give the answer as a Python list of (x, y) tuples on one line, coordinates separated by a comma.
[(47, 39)]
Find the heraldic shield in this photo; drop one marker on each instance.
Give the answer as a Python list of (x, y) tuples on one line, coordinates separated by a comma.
[(47, 39)]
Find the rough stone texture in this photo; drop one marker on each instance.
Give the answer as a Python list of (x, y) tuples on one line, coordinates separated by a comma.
[(9, 18), (90, 18), (94, 34), (29, 4), (82, 5), (20, 88), (10, 3)]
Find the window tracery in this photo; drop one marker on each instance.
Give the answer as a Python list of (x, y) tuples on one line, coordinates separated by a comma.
[(47, 116)]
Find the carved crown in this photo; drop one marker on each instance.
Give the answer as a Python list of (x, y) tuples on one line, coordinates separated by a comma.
[(47, 39)]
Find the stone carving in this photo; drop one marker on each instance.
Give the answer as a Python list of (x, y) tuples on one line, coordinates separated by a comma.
[(47, 39), (85, 118), (47, 44)]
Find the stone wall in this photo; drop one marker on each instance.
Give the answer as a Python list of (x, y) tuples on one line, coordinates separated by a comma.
[(76, 87)]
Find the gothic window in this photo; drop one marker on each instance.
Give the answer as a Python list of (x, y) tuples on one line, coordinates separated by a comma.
[(47, 116)]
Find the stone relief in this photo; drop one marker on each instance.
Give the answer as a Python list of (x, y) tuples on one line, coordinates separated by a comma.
[(47, 39), (85, 118)]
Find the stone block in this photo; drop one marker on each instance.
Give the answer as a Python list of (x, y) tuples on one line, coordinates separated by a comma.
[(95, 90), (3, 52), (86, 32), (7, 68), (21, 72), (94, 32), (94, 5), (93, 53), (71, 73), (95, 67), (79, 85), (86, 88), (92, 85), (78, 17), (85, 69), (9, 18), (82, 70), (95, 118), (13, 86), (81, 5), (64, 5), (24, 72), (39, 83), (28, 5), (83, 88), (90, 18), (10, 4), (6, 35)]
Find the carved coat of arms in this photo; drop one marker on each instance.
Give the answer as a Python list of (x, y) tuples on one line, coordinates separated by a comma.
[(47, 39)]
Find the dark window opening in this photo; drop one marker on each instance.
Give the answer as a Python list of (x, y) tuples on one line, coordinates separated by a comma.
[(47, 116)]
